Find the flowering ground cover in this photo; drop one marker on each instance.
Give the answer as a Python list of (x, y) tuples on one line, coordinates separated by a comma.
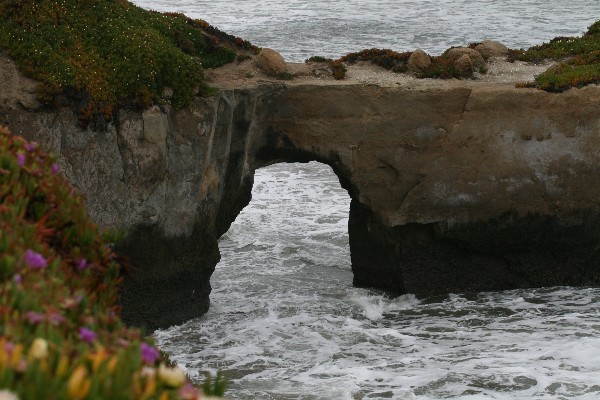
[(578, 61), (60, 332), (99, 55)]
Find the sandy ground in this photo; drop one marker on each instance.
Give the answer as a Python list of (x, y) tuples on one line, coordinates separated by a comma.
[(246, 74)]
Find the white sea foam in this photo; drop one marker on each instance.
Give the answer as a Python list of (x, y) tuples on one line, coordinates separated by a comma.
[(285, 321), (304, 28)]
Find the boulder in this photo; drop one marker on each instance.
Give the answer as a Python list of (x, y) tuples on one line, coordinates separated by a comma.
[(464, 65), (491, 48), (418, 61), (270, 62), (457, 52)]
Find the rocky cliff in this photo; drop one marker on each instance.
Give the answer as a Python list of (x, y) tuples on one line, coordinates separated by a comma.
[(460, 186)]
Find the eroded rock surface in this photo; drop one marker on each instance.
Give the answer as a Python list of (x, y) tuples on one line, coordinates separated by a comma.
[(455, 186)]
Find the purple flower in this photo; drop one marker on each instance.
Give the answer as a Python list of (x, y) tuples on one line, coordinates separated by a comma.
[(54, 168), (82, 264), (20, 159), (35, 260), (17, 278), (31, 146), (87, 335), (149, 353), (9, 347), (35, 317)]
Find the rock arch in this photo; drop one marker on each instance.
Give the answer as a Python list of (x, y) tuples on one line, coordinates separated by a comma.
[(461, 187)]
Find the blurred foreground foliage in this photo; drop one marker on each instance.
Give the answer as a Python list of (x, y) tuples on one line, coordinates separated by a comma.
[(61, 336)]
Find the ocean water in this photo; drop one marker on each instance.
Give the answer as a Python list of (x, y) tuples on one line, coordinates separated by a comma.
[(285, 321)]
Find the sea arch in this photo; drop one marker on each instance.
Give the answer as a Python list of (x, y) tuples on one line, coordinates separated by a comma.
[(457, 186)]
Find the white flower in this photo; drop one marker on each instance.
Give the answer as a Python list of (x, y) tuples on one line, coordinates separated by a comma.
[(38, 349), (174, 377), (8, 395)]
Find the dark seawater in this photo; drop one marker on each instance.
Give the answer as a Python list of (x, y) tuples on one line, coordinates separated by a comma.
[(285, 321)]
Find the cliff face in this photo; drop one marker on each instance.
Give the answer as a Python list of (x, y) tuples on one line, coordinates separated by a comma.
[(454, 188)]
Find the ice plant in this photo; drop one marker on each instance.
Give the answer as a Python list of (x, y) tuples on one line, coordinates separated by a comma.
[(149, 354), (54, 169), (35, 260), (87, 335)]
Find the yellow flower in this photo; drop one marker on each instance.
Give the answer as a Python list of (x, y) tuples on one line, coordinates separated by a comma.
[(62, 366), (38, 349), (79, 384), (173, 377)]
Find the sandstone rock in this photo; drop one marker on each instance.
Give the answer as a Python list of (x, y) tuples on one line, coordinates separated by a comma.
[(418, 61), (270, 62), (491, 48), (457, 52), (16, 91), (464, 65)]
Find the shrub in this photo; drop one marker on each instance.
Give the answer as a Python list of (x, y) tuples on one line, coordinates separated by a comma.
[(60, 332), (339, 70), (385, 58)]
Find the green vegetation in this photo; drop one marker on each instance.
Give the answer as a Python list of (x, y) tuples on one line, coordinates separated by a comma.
[(385, 58), (578, 61), (285, 76), (61, 336), (102, 54), (320, 59), (339, 70), (441, 66)]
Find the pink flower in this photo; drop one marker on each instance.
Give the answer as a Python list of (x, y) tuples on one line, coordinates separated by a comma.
[(31, 146), (35, 260), (55, 318), (17, 278), (35, 317), (20, 159), (188, 392), (54, 168), (82, 264), (9, 347), (149, 353), (87, 335)]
